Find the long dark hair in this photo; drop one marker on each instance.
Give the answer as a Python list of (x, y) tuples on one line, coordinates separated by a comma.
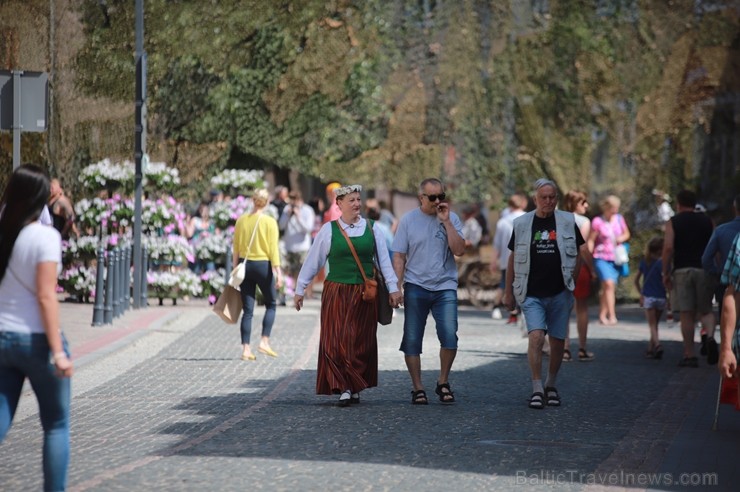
[(23, 200)]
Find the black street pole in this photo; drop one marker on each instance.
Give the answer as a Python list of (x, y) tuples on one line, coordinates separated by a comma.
[(139, 147)]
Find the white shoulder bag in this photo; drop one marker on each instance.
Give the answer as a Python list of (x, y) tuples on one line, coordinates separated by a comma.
[(237, 274)]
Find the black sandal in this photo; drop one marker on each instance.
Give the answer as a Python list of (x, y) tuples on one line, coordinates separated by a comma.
[(553, 398), (658, 354), (584, 356), (537, 400), (419, 397), (567, 357), (445, 396)]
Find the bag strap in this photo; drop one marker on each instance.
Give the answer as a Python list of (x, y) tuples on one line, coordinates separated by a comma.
[(652, 267), (352, 249), (251, 240)]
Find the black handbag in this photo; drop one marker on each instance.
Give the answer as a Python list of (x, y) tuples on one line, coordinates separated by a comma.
[(385, 310)]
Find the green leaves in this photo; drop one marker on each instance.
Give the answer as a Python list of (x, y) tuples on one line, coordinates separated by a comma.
[(393, 90)]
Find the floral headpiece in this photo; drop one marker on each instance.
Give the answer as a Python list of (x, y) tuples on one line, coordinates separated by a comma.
[(346, 190)]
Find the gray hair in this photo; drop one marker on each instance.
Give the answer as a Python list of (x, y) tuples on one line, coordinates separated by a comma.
[(542, 182), (427, 181)]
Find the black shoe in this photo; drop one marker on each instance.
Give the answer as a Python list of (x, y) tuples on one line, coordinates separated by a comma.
[(344, 399), (703, 350), (712, 352), (689, 362)]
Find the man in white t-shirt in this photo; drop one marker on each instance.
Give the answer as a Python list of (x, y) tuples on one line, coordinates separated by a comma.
[(296, 223), (472, 231)]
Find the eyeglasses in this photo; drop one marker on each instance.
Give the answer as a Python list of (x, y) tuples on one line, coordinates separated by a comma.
[(434, 198)]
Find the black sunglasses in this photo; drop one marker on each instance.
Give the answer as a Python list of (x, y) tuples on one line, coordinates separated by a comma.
[(433, 198)]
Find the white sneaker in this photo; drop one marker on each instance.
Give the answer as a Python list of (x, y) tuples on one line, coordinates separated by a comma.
[(496, 313)]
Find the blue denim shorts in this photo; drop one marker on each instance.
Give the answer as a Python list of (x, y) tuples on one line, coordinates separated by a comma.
[(418, 303), (549, 313)]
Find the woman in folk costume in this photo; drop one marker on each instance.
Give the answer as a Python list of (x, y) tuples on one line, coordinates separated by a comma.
[(348, 347)]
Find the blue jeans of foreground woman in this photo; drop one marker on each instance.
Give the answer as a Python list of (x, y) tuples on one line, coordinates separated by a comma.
[(258, 274), (27, 356)]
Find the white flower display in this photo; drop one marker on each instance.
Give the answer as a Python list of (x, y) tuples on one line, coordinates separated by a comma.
[(211, 246), (162, 284), (78, 281), (174, 284), (83, 247), (213, 281), (188, 283), (164, 215), (91, 213), (168, 250), (106, 174), (238, 180), (161, 176), (225, 213)]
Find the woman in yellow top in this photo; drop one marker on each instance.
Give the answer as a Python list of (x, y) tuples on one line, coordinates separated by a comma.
[(256, 238)]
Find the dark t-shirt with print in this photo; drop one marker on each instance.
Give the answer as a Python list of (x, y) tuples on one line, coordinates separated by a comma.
[(545, 274)]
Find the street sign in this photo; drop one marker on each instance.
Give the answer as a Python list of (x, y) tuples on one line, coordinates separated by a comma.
[(34, 95)]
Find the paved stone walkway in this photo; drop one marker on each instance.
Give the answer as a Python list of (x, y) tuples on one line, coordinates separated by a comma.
[(163, 402)]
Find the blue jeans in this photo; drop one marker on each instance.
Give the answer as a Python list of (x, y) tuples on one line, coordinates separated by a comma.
[(418, 302), (550, 314), (258, 273), (27, 356)]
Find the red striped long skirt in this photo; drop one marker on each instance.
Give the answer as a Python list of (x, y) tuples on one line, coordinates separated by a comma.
[(348, 347)]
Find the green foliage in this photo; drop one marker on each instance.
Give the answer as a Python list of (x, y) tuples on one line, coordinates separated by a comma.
[(182, 101), (382, 89), (105, 64)]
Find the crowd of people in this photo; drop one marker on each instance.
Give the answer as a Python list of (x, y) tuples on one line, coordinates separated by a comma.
[(549, 258)]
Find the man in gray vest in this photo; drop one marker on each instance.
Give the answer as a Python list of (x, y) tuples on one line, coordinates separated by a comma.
[(540, 277)]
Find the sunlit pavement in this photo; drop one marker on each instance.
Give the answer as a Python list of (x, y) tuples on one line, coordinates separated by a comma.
[(162, 401)]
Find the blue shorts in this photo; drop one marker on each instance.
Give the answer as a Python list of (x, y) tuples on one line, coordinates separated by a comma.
[(549, 313), (658, 303), (417, 304), (606, 270)]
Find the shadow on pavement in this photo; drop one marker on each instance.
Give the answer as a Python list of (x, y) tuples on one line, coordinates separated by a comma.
[(490, 430)]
